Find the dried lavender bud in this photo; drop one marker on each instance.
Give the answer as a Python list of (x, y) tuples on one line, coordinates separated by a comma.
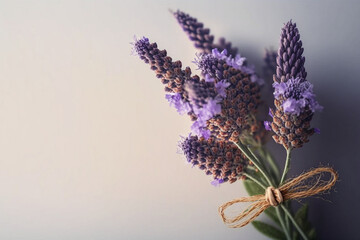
[(200, 35), (170, 73), (221, 159), (295, 105), (242, 95), (290, 62)]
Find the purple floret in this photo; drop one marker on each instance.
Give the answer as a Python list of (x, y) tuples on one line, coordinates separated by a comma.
[(297, 94), (176, 101), (317, 130), (219, 55), (208, 78), (221, 88), (199, 129), (238, 62), (279, 89), (208, 111), (270, 113), (267, 125), (211, 64), (217, 182), (140, 45)]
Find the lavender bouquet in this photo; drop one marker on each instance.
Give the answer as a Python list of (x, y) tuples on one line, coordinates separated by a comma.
[(227, 139)]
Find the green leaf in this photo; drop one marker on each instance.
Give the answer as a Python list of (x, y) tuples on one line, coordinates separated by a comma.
[(269, 230), (312, 234), (302, 214), (301, 218), (295, 235), (253, 188), (271, 213)]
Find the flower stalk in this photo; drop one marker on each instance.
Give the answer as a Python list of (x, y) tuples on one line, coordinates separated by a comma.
[(298, 228), (287, 165)]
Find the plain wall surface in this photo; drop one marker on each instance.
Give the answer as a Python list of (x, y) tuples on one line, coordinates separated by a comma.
[(88, 142)]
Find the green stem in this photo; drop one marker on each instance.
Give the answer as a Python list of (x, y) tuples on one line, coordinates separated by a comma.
[(253, 159), (255, 180), (259, 165), (272, 162), (287, 204), (287, 234), (287, 164), (303, 235), (263, 165), (273, 171)]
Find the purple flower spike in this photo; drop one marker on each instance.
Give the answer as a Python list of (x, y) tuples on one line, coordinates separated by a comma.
[(200, 35), (270, 62), (290, 62), (207, 154), (212, 64), (171, 73), (230, 85), (217, 182), (267, 125), (295, 100)]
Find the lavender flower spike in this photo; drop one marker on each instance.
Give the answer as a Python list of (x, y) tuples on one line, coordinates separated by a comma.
[(270, 62), (294, 98), (224, 161), (240, 99), (290, 62), (200, 35), (170, 73)]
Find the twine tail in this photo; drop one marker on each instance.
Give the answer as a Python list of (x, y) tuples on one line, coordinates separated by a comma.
[(246, 216)]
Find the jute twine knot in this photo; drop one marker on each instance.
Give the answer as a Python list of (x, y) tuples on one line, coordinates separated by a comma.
[(307, 184), (273, 196)]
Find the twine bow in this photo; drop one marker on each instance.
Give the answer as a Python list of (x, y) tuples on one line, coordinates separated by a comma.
[(305, 185)]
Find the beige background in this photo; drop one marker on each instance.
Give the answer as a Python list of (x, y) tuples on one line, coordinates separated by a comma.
[(88, 142)]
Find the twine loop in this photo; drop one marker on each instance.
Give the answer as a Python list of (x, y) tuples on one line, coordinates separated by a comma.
[(273, 196), (307, 184)]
